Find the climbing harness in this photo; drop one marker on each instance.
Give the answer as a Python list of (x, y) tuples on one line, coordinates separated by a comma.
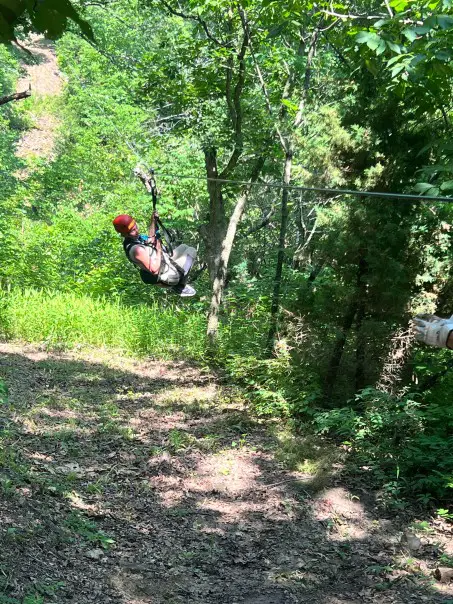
[(166, 261)]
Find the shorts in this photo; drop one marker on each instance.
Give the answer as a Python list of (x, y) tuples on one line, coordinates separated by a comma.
[(184, 256)]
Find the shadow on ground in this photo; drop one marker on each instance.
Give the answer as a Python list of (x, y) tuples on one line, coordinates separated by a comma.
[(144, 483)]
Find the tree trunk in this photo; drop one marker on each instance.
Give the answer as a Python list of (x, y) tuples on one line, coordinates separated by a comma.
[(337, 352), (281, 253), (222, 264), (216, 227), (221, 270), (353, 310)]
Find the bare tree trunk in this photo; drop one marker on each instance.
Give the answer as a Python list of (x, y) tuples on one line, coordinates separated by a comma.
[(222, 265), (281, 253), (221, 270), (214, 232)]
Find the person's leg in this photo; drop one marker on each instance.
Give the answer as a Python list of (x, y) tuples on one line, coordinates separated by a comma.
[(184, 256)]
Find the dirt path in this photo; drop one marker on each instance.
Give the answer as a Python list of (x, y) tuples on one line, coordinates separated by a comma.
[(132, 483), (46, 83)]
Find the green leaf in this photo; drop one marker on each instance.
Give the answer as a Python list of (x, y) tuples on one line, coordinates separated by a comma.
[(410, 34), (444, 55), (417, 59), (372, 67), (399, 5), (422, 29), (362, 37), (445, 21), (382, 46), (290, 105), (394, 47), (373, 43), (394, 60), (447, 186), (396, 70), (422, 187), (381, 22), (277, 30)]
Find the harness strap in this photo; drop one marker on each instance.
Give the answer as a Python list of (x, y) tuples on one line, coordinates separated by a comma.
[(129, 243)]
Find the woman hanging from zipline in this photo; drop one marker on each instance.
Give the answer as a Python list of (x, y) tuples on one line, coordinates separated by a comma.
[(159, 264)]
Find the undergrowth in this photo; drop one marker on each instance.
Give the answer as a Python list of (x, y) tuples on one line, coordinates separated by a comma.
[(66, 320)]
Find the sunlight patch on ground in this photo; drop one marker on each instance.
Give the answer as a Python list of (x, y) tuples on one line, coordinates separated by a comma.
[(307, 454), (233, 511), (229, 473), (344, 512), (188, 395)]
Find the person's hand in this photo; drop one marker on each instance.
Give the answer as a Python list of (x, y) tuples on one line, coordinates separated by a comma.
[(155, 214), (433, 330)]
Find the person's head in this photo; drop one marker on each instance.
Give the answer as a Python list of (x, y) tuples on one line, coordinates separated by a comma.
[(126, 225)]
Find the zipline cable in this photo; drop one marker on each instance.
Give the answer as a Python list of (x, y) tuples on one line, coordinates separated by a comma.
[(403, 196)]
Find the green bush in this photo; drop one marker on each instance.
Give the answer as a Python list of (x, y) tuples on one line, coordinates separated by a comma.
[(396, 438), (275, 386)]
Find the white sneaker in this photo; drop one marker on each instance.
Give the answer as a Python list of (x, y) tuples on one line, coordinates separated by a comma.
[(185, 291)]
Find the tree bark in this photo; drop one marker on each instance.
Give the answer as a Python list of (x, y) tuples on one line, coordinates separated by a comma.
[(222, 264), (216, 227), (337, 352), (17, 96), (352, 311), (281, 253), (221, 270), (287, 143)]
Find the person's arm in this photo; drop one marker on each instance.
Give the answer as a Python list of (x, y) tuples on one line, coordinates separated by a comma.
[(148, 261), (434, 331), (152, 226), (157, 257)]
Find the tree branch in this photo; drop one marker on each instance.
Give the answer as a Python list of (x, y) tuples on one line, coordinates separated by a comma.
[(336, 50), (265, 220), (235, 104), (307, 77), (245, 27), (387, 4), (349, 16), (15, 97), (199, 20)]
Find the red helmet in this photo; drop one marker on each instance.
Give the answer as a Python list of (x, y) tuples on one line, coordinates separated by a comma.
[(124, 224)]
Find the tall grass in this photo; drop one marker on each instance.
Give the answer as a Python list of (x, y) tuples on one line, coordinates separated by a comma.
[(66, 320)]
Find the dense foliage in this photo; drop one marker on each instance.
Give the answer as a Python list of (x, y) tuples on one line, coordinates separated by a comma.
[(356, 98)]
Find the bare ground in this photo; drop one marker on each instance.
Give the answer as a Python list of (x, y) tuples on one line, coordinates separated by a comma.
[(133, 482), (45, 79)]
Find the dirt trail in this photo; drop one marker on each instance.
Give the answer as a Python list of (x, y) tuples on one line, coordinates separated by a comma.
[(147, 483), (46, 82)]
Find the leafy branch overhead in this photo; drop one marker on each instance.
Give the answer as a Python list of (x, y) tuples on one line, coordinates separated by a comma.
[(48, 17), (414, 41)]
